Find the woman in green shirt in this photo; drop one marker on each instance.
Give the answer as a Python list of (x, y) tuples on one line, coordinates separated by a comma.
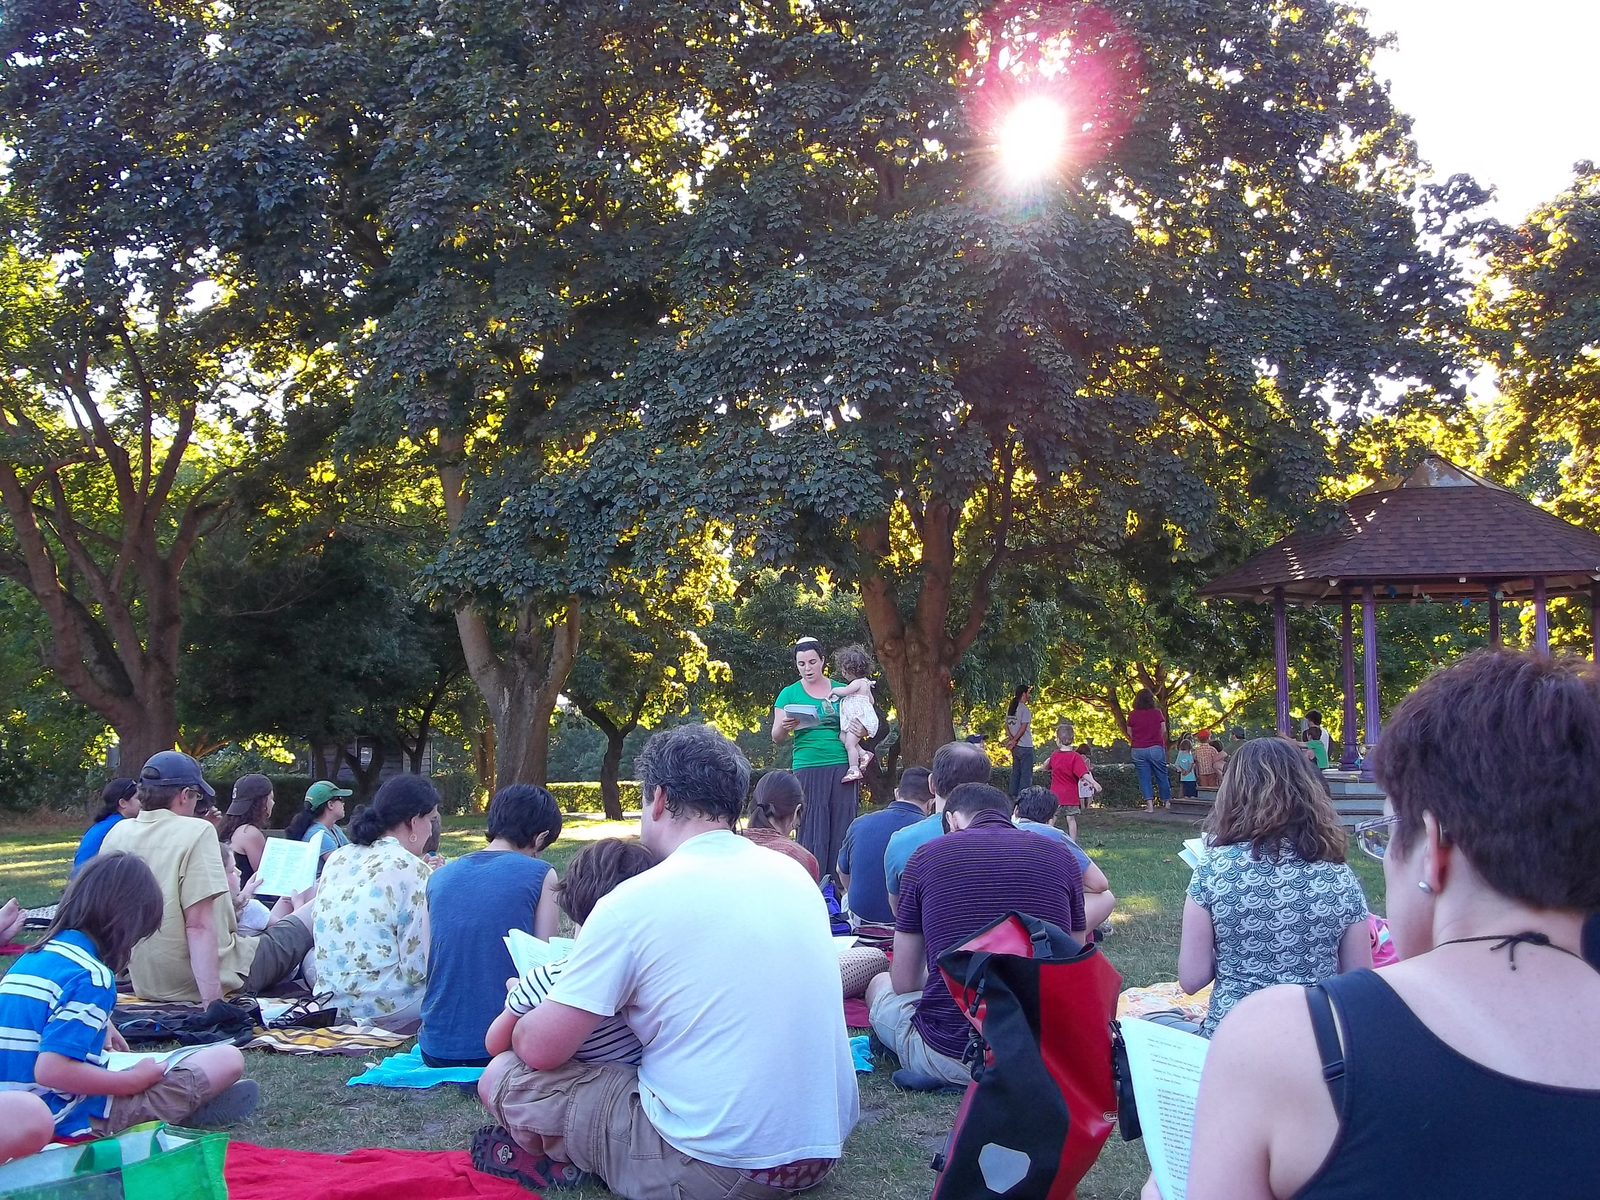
[(820, 760)]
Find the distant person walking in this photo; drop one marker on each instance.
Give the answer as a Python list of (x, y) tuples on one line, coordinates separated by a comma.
[(1147, 734), (1019, 738), (820, 760)]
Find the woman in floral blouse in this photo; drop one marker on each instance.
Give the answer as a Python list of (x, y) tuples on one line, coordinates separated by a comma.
[(1273, 900), (371, 910)]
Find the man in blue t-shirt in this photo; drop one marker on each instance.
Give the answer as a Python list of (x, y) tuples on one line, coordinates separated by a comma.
[(860, 866), (955, 763), (473, 902), (1035, 808)]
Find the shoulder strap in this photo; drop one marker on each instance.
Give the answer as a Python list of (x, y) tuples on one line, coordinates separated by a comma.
[(1328, 1047)]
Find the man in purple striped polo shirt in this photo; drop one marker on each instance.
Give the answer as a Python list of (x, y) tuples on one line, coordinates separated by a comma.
[(952, 887)]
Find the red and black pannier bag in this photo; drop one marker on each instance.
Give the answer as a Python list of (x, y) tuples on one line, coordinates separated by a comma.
[(1043, 1097)]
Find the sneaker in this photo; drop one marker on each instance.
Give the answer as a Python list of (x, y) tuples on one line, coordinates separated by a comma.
[(851, 777), (227, 1107), (495, 1152)]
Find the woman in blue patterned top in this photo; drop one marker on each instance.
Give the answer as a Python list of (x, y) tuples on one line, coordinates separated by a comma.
[(1274, 900), (55, 1018)]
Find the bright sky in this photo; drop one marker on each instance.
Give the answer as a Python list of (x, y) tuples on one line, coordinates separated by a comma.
[(1504, 90)]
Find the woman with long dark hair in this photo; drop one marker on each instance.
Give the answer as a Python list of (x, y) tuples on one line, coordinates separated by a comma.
[(370, 917), (772, 813), (119, 801), (243, 832), (1019, 738)]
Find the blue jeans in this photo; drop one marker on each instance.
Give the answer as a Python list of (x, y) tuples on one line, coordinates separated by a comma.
[(1152, 761), (1021, 769)]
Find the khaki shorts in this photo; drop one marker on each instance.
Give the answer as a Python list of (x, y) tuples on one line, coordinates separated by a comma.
[(280, 948), (891, 1021), (181, 1090), (588, 1114)]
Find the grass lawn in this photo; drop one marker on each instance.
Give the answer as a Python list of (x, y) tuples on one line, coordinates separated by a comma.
[(306, 1104)]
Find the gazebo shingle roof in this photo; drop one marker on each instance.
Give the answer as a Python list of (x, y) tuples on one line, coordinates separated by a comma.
[(1440, 531)]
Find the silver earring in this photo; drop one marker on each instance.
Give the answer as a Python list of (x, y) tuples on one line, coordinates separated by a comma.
[(1425, 886)]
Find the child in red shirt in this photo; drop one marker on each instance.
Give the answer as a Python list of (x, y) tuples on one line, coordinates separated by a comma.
[(1067, 768)]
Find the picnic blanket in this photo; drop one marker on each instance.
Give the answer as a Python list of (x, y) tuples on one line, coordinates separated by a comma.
[(352, 1040), (1164, 997), (12, 948), (409, 1071), (856, 1013), (259, 1173)]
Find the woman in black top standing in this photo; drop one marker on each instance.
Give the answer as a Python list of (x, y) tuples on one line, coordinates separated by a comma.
[(1472, 1067)]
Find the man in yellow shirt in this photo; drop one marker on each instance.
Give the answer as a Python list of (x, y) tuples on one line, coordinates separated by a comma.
[(198, 953)]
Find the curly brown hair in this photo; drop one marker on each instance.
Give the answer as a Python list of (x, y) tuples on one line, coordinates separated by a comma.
[(1271, 796), (595, 870), (853, 662)]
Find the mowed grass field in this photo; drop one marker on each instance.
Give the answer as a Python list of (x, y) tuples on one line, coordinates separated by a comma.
[(306, 1104)]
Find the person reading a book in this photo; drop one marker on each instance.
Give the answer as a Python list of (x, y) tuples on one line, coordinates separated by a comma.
[(198, 953), (473, 901), (954, 764), (371, 910), (319, 817), (55, 1011), (807, 712), (243, 827), (594, 871), (952, 887), (1274, 901), (720, 960), (1469, 1069)]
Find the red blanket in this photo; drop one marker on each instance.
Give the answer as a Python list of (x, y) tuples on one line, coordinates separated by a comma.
[(261, 1173)]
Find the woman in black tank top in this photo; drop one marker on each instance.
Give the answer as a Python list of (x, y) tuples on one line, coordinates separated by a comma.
[(1471, 1069)]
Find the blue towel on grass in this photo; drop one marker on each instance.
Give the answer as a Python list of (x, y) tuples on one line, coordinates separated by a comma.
[(409, 1071), (860, 1052)]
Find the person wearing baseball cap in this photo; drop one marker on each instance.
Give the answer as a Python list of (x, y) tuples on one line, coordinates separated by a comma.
[(319, 820), (198, 953), (243, 830)]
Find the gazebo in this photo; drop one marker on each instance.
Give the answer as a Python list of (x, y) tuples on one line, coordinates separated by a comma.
[(1438, 533)]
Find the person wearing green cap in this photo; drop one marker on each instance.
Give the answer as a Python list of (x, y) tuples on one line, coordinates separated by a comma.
[(318, 820)]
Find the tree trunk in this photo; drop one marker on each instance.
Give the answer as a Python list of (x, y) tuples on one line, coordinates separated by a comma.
[(368, 776), (610, 765), (483, 756), (521, 685)]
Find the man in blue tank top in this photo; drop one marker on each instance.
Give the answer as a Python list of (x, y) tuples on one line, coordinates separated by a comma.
[(473, 902)]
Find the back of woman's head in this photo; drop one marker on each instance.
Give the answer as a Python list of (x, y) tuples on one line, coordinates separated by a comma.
[(777, 798), (1016, 698), (112, 796), (1270, 795), (595, 870), (399, 800), (116, 901), (300, 822), (1144, 698), (1503, 748), (523, 811)]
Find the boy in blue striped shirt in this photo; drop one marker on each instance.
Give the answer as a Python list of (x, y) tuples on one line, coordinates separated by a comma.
[(55, 1018)]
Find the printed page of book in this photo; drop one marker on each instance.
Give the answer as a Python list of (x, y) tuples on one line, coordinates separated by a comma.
[(1165, 1064)]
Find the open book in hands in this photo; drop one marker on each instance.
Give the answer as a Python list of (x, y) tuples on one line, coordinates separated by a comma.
[(1165, 1064)]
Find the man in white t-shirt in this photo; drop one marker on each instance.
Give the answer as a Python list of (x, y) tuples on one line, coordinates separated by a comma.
[(721, 960)]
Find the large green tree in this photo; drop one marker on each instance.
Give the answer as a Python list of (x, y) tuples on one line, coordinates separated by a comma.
[(481, 202), (904, 363)]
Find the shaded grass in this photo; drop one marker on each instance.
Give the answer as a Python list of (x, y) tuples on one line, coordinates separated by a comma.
[(306, 1105)]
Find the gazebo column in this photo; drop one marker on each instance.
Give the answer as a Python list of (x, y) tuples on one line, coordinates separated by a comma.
[(1369, 662), (1594, 619), (1541, 617), (1347, 647), (1280, 657), (1494, 615)]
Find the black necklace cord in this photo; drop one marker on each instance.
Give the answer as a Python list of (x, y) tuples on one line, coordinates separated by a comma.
[(1513, 940)]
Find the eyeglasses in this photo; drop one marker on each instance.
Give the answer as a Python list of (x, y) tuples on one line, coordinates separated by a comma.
[(1373, 835)]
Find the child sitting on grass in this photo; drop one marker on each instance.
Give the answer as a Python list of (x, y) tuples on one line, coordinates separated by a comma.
[(55, 1008), (592, 873), (855, 704)]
